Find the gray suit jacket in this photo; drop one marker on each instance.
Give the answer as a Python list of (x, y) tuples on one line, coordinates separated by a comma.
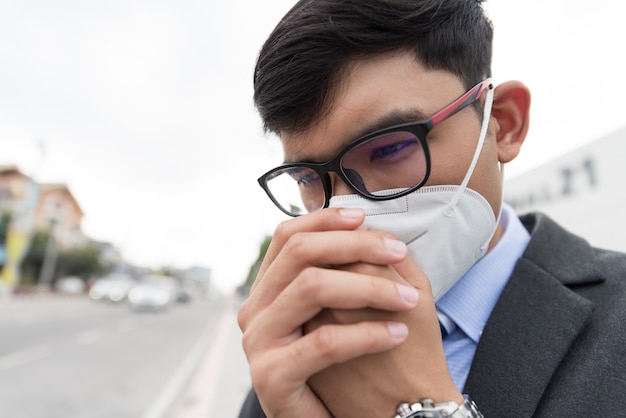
[(555, 343)]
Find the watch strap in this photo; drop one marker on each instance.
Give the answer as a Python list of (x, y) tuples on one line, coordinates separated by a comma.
[(426, 408)]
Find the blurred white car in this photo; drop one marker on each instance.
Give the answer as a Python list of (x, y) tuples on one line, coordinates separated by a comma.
[(111, 289), (154, 292), (70, 286), (151, 296)]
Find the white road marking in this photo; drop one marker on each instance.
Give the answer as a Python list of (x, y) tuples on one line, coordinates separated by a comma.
[(202, 390), (179, 381), (23, 357)]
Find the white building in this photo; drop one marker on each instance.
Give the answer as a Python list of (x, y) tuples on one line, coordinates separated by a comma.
[(583, 190)]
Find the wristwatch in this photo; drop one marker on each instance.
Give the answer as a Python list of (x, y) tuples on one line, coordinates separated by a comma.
[(426, 408)]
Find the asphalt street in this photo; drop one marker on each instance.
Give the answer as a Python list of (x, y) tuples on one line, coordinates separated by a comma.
[(70, 357)]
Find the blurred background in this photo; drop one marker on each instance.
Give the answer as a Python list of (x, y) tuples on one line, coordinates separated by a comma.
[(129, 209)]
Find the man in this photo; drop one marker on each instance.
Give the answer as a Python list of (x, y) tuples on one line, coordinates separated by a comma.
[(406, 287)]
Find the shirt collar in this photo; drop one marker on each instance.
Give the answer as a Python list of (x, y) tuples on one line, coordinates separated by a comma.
[(470, 301)]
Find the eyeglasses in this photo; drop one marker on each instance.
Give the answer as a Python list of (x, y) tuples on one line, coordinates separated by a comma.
[(383, 165)]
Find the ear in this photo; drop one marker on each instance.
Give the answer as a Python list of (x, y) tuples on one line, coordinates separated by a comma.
[(511, 108)]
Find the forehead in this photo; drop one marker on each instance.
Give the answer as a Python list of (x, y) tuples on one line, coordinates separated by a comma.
[(373, 93)]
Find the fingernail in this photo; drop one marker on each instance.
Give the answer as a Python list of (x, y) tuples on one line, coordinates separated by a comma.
[(395, 246), (398, 331), (351, 213), (408, 294)]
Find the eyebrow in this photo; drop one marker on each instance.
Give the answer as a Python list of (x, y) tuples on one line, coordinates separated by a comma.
[(395, 117)]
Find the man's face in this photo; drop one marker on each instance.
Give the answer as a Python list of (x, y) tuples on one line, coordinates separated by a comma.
[(391, 89)]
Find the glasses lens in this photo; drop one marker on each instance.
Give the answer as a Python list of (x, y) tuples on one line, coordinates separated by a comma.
[(297, 190), (386, 165)]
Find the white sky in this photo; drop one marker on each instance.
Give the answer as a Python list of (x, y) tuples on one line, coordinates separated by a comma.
[(144, 109)]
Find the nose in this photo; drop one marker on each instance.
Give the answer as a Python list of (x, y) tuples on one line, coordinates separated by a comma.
[(339, 186)]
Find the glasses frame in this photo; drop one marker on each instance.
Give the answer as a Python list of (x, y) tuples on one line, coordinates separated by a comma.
[(420, 129)]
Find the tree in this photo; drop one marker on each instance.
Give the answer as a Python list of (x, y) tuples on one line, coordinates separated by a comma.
[(81, 261), (5, 221), (33, 261), (254, 268)]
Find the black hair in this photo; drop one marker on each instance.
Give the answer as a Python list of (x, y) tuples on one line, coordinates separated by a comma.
[(303, 59)]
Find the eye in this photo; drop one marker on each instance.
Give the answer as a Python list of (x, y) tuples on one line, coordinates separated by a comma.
[(393, 150), (304, 177), (307, 179)]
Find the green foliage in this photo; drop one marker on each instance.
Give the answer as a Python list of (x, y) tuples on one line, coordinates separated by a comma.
[(82, 261), (31, 265), (254, 268), (38, 244), (5, 220)]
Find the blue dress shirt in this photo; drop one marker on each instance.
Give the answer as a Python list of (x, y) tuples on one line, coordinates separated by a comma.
[(465, 308)]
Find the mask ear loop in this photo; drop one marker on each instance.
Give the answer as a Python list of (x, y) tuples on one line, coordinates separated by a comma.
[(501, 192), (479, 146)]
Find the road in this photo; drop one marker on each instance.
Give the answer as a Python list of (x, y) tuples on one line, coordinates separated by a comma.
[(72, 357)]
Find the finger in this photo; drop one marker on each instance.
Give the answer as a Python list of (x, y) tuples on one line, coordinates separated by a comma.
[(317, 289), (284, 397), (304, 250), (323, 220), (369, 269), (413, 275), (332, 344)]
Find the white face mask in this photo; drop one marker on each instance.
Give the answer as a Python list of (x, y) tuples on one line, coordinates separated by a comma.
[(446, 228)]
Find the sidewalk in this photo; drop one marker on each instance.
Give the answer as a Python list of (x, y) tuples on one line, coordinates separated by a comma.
[(221, 379)]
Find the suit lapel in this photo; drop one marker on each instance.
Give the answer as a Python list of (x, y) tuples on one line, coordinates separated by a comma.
[(533, 324)]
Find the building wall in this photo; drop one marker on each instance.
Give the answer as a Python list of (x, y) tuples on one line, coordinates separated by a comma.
[(36, 206), (56, 204), (582, 190)]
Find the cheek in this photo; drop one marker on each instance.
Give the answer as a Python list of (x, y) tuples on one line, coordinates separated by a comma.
[(452, 145), (487, 178), (449, 162)]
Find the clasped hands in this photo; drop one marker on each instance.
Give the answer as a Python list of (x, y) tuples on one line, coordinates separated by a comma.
[(341, 322)]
